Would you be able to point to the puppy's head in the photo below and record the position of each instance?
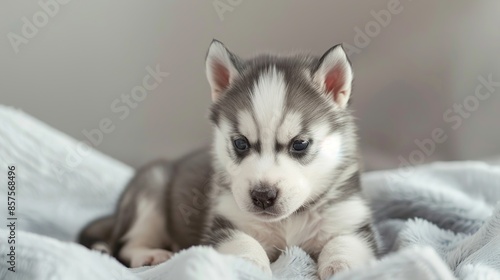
(282, 127)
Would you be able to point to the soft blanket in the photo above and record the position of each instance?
(437, 221)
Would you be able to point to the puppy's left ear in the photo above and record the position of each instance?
(334, 75)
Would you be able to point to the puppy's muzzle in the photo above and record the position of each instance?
(264, 196)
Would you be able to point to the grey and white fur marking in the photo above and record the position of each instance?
(283, 171)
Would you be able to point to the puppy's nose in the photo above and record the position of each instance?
(264, 197)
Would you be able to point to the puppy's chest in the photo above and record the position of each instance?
(307, 231)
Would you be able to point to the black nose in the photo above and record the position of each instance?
(264, 197)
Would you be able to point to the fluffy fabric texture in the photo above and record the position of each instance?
(436, 222)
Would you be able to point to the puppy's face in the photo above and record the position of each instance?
(281, 127)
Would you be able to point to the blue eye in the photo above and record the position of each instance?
(241, 144)
(299, 145)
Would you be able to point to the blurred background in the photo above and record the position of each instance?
(427, 75)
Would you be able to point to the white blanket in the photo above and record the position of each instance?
(437, 221)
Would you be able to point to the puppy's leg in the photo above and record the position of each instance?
(237, 243)
(141, 236)
(96, 235)
(342, 253)
(147, 237)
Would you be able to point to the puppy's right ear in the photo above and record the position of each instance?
(221, 68)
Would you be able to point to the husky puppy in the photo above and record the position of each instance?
(283, 171)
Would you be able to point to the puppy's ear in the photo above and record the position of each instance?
(334, 75)
(221, 68)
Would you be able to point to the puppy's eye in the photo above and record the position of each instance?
(241, 144)
(300, 145)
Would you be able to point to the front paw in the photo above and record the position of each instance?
(343, 253)
(264, 265)
(334, 267)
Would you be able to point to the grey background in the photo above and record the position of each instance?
(427, 58)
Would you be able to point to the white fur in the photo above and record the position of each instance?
(222, 158)
(310, 230)
(145, 235)
(247, 126)
(245, 246)
(268, 101)
(342, 253)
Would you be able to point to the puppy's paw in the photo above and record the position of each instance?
(343, 253)
(264, 265)
(148, 257)
(334, 267)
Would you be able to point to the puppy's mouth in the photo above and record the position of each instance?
(267, 215)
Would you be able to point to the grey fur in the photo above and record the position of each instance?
(184, 198)
(220, 230)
